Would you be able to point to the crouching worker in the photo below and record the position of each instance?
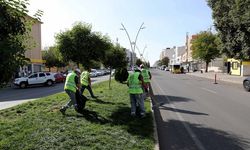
(72, 84)
(135, 83)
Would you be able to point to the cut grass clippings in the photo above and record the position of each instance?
(107, 124)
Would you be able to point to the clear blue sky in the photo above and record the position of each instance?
(166, 21)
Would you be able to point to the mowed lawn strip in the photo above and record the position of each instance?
(106, 125)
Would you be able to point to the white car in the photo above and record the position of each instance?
(45, 78)
(93, 73)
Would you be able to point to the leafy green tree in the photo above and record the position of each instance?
(138, 62)
(165, 61)
(232, 21)
(81, 45)
(205, 47)
(158, 63)
(52, 58)
(13, 35)
(115, 58)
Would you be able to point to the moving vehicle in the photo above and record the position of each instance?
(44, 78)
(246, 84)
(176, 68)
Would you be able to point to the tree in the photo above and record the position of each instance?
(115, 58)
(52, 58)
(138, 62)
(81, 45)
(158, 63)
(205, 47)
(165, 61)
(232, 21)
(13, 36)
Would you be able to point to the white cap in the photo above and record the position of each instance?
(78, 70)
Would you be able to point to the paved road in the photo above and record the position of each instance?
(13, 96)
(192, 113)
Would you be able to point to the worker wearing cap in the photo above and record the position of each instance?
(71, 85)
(135, 83)
(86, 82)
(146, 78)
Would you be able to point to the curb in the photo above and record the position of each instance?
(6, 105)
(155, 127)
(218, 79)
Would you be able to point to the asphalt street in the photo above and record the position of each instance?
(13, 96)
(193, 113)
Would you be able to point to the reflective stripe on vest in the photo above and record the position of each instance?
(134, 84)
(145, 74)
(70, 82)
(85, 78)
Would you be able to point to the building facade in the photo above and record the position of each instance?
(34, 52)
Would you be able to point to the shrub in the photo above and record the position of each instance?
(121, 75)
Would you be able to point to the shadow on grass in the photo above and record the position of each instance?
(91, 116)
(102, 102)
(173, 135)
(134, 125)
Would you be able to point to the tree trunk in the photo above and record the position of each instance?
(206, 66)
(110, 78)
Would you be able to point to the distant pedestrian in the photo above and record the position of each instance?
(72, 84)
(86, 82)
(182, 69)
(135, 83)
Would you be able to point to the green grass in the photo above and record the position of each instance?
(108, 125)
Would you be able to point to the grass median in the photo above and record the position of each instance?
(106, 125)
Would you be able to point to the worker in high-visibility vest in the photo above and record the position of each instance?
(72, 84)
(86, 82)
(135, 83)
(146, 78)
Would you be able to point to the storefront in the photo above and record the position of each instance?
(238, 67)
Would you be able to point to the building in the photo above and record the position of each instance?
(34, 53)
(168, 52)
(238, 67)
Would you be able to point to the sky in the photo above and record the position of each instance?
(166, 22)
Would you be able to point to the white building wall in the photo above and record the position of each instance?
(245, 70)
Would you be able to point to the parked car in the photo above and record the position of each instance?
(93, 73)
(99, 72)
(166, 69)
(59, 77)
(44, 78)
(246, 84)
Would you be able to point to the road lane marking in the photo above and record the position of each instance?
(209, 90)
(187, 127)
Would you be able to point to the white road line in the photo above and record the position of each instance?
(189, 130)
(208, 90)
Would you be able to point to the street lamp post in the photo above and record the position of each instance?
(132, 44)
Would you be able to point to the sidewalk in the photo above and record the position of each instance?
(219, 76)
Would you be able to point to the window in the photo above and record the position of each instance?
(33, 76)
(41, 75)
(235, 66)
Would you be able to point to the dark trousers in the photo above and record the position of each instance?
(89, 89)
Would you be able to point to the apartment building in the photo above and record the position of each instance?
(34, 52)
